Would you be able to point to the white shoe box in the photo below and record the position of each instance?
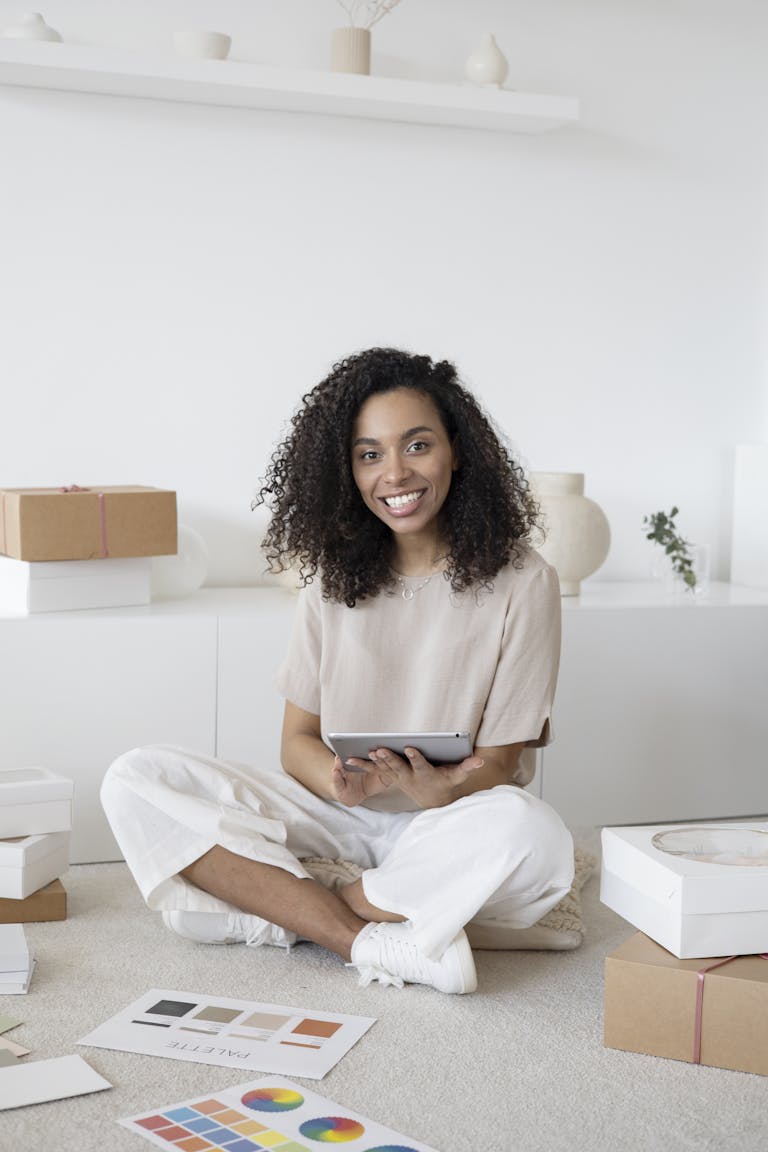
(34, 800)
(28, 586)
(28, 863)
(692, 907)
(14, 954)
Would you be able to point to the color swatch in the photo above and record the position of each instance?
(231, 1033)
(298, 1121)
(332, 1129)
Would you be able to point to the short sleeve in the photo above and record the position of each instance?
(519, 704)
(298, 678)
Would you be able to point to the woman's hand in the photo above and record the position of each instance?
(429, 785)
(352, 788)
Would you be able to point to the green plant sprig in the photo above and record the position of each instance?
(663, 531)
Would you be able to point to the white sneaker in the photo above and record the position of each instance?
(386, 952)
(227, 928)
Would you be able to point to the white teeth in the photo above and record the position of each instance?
(401, 501)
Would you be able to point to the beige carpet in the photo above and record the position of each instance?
(519, 1065)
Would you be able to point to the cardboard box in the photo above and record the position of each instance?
(48, 903)
(28, 586)
(87, 523)
(34, 800)
(27, 863)
(659, 1005)
(710, 901)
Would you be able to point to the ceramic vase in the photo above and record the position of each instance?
(577, 536)
(202, 44)
(487, 65)
(180, 575)
(32, 26)
(351, 50)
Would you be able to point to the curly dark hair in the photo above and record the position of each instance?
(319, 521)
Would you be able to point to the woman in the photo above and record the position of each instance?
(423, 609)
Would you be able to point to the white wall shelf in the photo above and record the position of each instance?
(239, 84)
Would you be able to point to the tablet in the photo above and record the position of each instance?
(437, 747)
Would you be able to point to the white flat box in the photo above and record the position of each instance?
(34, 800)
(28, 863)
(28, 586)
(712, 900)
(14, 954)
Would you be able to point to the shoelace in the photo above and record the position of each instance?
(370, 972)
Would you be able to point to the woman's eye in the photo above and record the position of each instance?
(417, 446)
(369, 455)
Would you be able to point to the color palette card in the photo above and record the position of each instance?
(231, 1033)
(265, 1114)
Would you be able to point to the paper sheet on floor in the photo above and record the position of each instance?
(269, 1113)
(231, 1033)
(43, 1080)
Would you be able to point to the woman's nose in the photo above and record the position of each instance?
(396, 468)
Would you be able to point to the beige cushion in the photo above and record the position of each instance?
(562, 927)
(559, 930)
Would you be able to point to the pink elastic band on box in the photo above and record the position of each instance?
(700, 1000)
(102, 514)
(4, 547)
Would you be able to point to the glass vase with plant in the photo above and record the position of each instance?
(680, 552)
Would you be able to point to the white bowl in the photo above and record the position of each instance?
(202, 45)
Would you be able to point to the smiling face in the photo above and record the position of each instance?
(403, 463)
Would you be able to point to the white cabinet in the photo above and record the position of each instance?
(254, 630)
(660, 714)
(662, 708)
(79, 688)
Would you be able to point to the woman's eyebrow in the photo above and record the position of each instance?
(405, 436)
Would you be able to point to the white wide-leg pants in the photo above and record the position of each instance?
(499, 856)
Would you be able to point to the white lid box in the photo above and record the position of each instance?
(30, 862)
(692, 907)
(33, 786)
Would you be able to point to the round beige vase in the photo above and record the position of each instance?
(577, 536)
(351, 50)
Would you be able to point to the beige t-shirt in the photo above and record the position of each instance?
(483, 662)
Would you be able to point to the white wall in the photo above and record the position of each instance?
(173, 277)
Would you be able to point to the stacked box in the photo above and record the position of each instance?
(692, 984)
(48, 903)
(16, 964)
(35, 824)
(87, 523)
(29, 586)
(704, 1010)
(711, 900)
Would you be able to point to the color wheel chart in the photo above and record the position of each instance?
(231, 1033)
(264, 1115)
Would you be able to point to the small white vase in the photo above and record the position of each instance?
(32, 26)
(487, 64)
(351, 50)
(577, 533)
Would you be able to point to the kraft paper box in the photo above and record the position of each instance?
(696, 889)
(27, 863)
(48, 903)
(30, 586)
(34, 800)
(87, 523)
(659, 1005)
